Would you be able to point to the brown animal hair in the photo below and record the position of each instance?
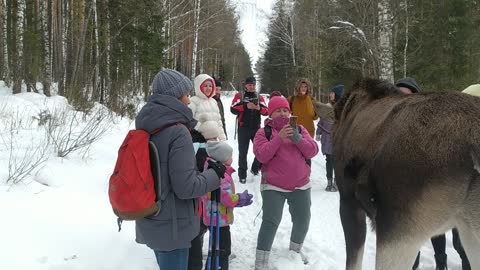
(305, 81)
(375, 89)
(411, 163)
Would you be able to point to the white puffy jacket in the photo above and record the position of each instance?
(205, 110)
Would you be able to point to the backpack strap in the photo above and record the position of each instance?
(155, 131)
(268, 132)
(156, 165)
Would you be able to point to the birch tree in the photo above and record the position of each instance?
(385, 22)
(196, 23)
(3, 48)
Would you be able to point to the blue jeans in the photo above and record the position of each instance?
(172, 260)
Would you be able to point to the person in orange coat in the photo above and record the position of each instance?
(302, 106)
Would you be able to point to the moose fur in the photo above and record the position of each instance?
(411, 163)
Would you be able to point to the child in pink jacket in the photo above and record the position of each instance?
(285, 177)
(221, 151)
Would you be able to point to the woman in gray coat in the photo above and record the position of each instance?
(170, 231)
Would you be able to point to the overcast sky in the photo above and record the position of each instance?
(253, 23)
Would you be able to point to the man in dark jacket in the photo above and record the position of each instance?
(218, 91)
(248, 106)
(170, 231)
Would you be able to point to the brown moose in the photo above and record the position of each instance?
(411, 163)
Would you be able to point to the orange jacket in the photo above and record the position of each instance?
(302, 106)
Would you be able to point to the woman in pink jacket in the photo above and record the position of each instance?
(285, 177)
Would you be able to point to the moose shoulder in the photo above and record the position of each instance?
(411, 163)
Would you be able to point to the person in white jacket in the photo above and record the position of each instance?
(204, 107)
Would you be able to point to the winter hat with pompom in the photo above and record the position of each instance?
(209, 130)
(220, 151)
(277, 102)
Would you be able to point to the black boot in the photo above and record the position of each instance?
(417, 262)
(334, 185)
(465, 263)
(441, 261)
(329, 185)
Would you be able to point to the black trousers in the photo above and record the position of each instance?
(329, 166)
(457, 244)
(225, 248)
(195, 256)
(245, 135)
(439, 243)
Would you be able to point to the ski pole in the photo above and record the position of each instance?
(217, 251)
(210, 239)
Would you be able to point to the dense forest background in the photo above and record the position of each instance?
(331, 42)
(109, 50)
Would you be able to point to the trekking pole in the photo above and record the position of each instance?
(236, 126)
(217, 251)
(210, 239)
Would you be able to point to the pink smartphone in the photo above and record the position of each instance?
(293, 121)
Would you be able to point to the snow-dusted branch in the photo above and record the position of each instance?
(26, 150)
(70, 130)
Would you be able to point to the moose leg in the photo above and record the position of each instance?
(354, 229)
(471, 243)
(398, 241)
(395, 255)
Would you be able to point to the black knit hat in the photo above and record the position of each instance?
(250, 80)
(410, 83)
(217, 83)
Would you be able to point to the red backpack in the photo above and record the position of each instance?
(132, 189)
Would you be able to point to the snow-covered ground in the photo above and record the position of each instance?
(60, 218)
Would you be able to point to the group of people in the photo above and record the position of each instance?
(195, 164)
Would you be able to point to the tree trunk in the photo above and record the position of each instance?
(196, 27)
(57, 45)
(3, 47)
(292, 43)
(385, 22)
(405, 48)
(45, 25)
(13, 43)
(96, 55)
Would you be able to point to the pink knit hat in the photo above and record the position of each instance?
(277, 102)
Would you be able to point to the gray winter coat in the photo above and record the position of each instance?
(177, 223)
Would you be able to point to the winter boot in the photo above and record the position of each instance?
(441, 261)
(466, 264)
(329, 185)
(334, 186)
(261, 259)
(298, 249)
(417, 262)
(255, 168)
(243, 180)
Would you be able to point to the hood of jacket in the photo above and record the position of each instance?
(162, 110)
(197, 82)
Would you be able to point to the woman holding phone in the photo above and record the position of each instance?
(285, 177)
